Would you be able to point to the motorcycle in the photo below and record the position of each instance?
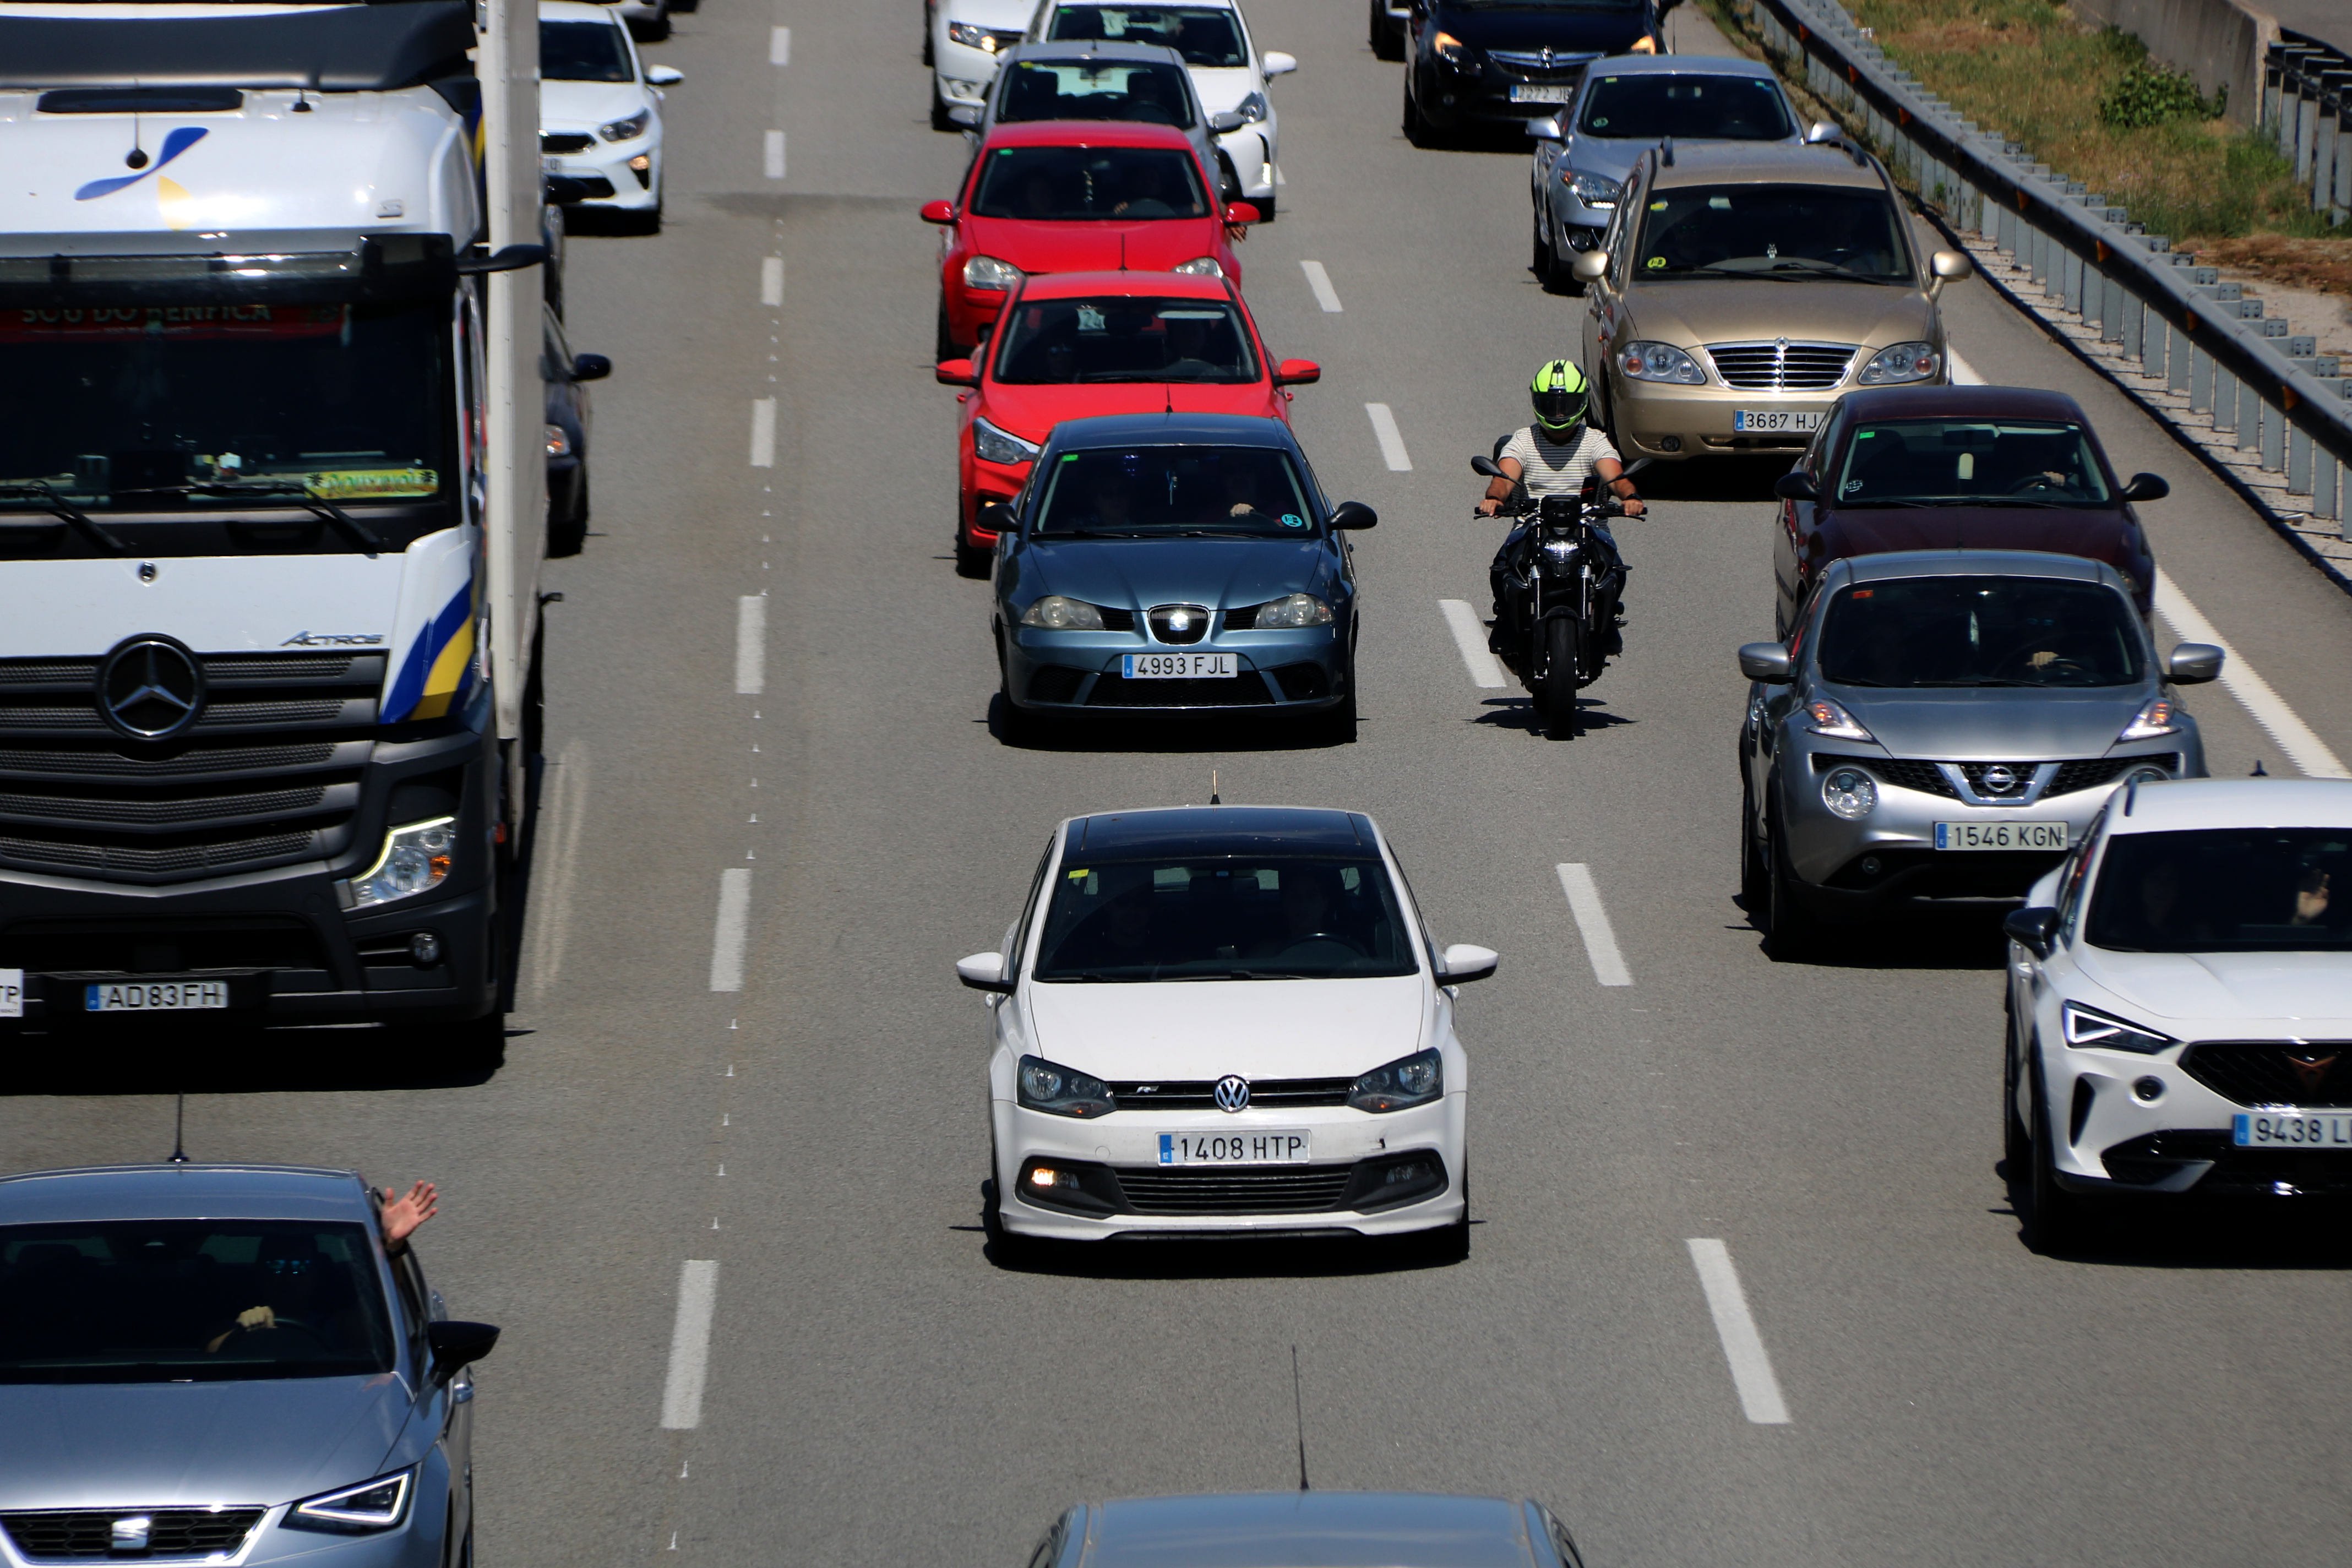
(1555, 624)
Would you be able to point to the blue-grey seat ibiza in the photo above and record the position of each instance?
(1172, 562)
(221, 1364)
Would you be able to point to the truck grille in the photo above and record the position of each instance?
(1781, 365)
(64, 1536)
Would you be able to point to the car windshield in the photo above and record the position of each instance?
(1050, 342)
(1650, 107)
(1980, 631)
(1145, 91)
(183, 1300)
(124, 406)
(2233, 890)
(583, 51)
(1206, 917)
(1135, 492)
(1545, 4)
(1203, 34)
(1784, 232)
(1081, 183)
(1970, 462)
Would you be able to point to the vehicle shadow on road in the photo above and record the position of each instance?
(1520, 714)
(2165, 1232)
(1969, 938)
(231, 1059)
(1273, 1258)
(1712, 480)
(1175, 733)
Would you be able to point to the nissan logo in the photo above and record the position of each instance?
(151, 688)
(1232, 1092)
(1999, 779)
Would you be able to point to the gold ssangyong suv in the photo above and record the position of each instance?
(1740, 288)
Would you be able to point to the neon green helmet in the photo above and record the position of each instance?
(1560, 393)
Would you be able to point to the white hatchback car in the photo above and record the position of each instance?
(966, 37)
(1225, 1020)
(1228, 73)
(600, 110)
(2180, 1003)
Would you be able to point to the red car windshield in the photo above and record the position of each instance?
(1046, 342)
(1970, 462)
(1078, 184)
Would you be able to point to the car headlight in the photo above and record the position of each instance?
(1200, 267)
(1823, 717)
(1253, 108)
(1292, 612)
(627, 130)
(415, 859)
(992, 445)
(1040, 1085)
(1451, 49)
(2154, 720)
(1904, 361)
(1401, 1084)
(2089, 1026)
(1056, 614)
(2151, 773)
(559, 445)
(1591, 189)
(370, 1506)
(987, 272)
(972, 36)
(1660, 362)
(1850, 793)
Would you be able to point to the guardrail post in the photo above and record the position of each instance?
(2274, 436)
(2072, 276)
(2298, 462)
(2249, 427)
(2306, 132)
(2326, 486)
(2273, 84)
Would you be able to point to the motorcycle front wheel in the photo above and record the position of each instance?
(1563, 649)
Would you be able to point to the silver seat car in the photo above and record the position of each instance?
(1943, 725)
(1308, 1530)
(221, 1364)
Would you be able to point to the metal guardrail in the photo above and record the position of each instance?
(2307, 107)
(2272, 394)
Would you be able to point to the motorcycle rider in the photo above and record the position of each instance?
(1557, 454)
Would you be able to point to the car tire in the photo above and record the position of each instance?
(1755, 879)
(971, 560)
(943, 343)
(1339, 721)
(930, 51)
(1007, 1249)
(1539, 259)
(1387, 37)
(1790, 929)
(1264, 205)
(2016, 1143)
(1446, 1243)
(1416, 129)
(940, 120)
(1555, 694)
(2056, 1220)
(568, 535)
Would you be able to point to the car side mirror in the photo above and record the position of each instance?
(1547, 129)
(590, 367)
(1276, 63)
(984, 971)
(939, 211)
(1240, 212)
(2193, 664)
(455, 1344)
(998, 518)
(2147, 487)
(507, 259)
(1351, 515)
(1485, 468)
(1589, 265)
(1796, 485)
(955, 373)
(1767, 662)
(1228, 122)
(1819, 131)
(2036, 931)
(1298, 373)
(1951, 266)
(664, 76)
(1460, 963)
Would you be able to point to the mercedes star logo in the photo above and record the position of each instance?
(151, 688)
(1232, 1092)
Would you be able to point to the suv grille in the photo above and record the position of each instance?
(1268, 1093)
(1299, 1189)
(64, 1536)
(2317, 1074)
(1781, 365)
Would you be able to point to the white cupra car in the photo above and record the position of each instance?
(600, 119)
(2181, 1003)
(1224, 1021)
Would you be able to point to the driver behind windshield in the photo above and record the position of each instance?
(1779, 231)
(1962, 631)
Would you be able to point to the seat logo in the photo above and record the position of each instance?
(151, 689)
(129, 1534)
(2311, 1068)
(1232, 1092)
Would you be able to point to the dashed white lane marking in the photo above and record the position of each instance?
(733, 931)
(764, 432)
(1391, 439)
(1743, 1347)
(2304, 748)
(1470, 637)
(1320, 281)
(780, 46)
(690, 1345)
(771, 280)
(751, 645)
(1592, 925)
(550, 905)
(773, 152)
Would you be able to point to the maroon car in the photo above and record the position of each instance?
(1967, 467)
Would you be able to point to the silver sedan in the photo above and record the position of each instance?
(1308, 1530)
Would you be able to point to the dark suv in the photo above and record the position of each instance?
(1488, 63)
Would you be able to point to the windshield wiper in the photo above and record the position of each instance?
(326, 511)
(56, 506)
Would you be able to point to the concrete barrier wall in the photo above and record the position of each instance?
(2217, 42)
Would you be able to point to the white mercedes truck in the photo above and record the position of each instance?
(271, 481)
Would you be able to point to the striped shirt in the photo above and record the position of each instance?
(1551, 467)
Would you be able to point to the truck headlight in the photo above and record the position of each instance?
(1904, 361)
(415, 859)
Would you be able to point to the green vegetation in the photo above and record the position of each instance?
(2147, 94)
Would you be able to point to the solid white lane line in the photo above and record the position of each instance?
(1391, 439)
(551, 904)
(1320, 281)
(751, 645)
(774, 155)
(690, 1345)
(1963, 373)
(1593, 924)
(1743, 1347)
(764, 432)
(771, 280)
(1470, 637)
(733, 931)
(2304, 748)
(780, 46)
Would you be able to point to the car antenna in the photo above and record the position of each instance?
(1122, 253)
(1213, 788)
(2258, 772)
(137, 157)
(1298, 1414)
(179, 1125)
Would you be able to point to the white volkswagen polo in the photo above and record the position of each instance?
(1225, 1020)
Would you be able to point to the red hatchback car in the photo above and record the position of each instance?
(1066, 195)
(1072, 345)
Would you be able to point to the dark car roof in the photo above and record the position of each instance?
(1173, 430)
(1309, 1529)
(1222, 830)
(1086, 133)
(1925, 402)
(182, 1191)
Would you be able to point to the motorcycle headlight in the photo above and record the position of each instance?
(370, 1506)
(1401, 1084)
(1850, 793)
(1040, 1085)
(2155, 720)
(987, 272)
(1823, 717)
(1200, 267)
(1904, 361)
(627, 130)
(1054, 613)
(1660, 362)
(972, 36)
(559, 445)
(992, 445)
(1253, 108)
(2089, 1026)
(415, 859)
(1292, 612)
(1593, 190)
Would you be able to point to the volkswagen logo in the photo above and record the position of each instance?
(1999, 779)
(1232, 1092)
(151, 688)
